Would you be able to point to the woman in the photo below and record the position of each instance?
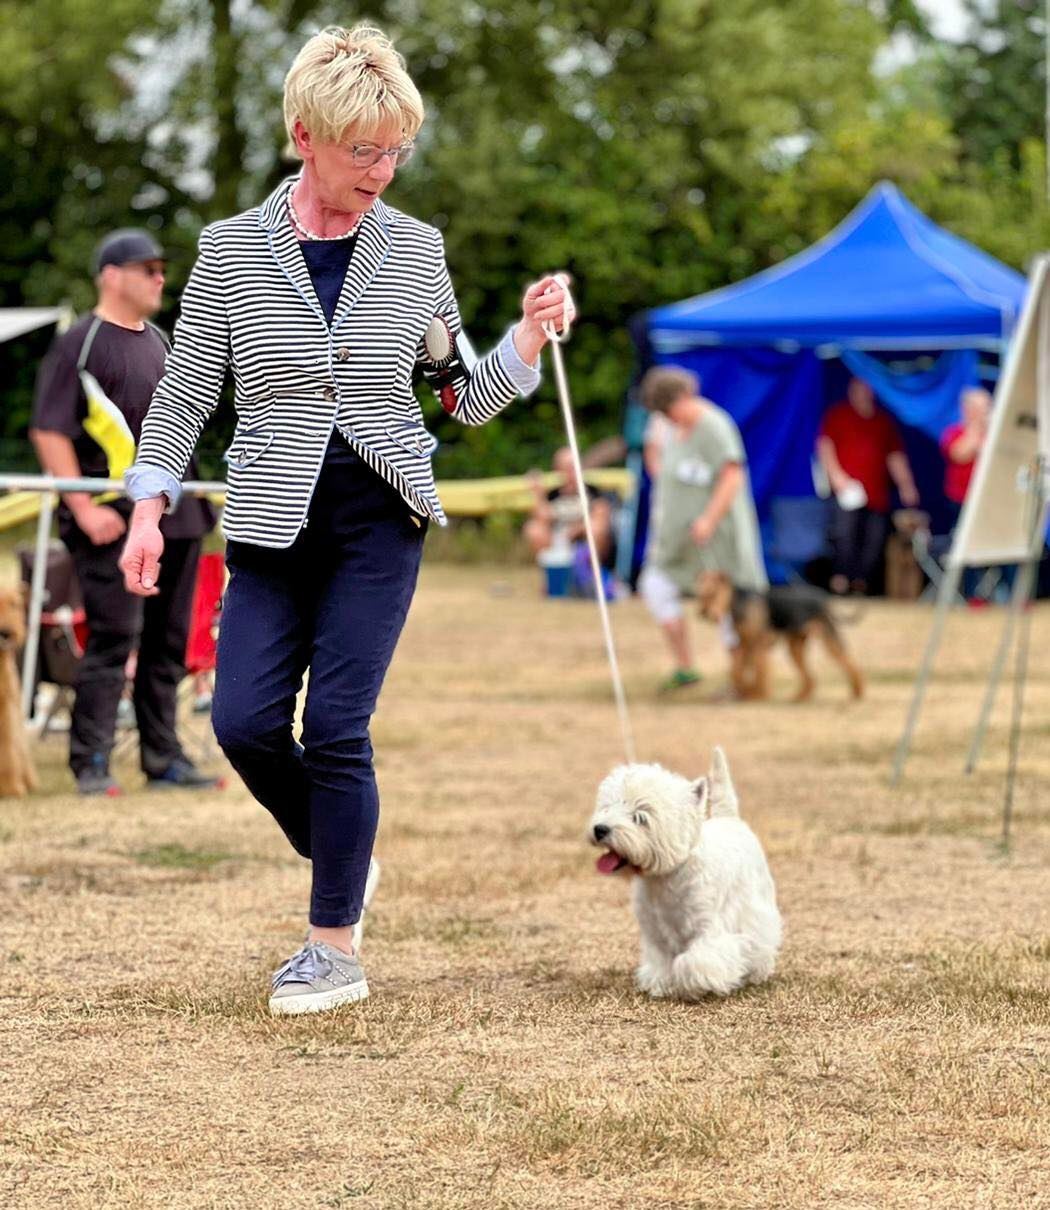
(705, 516)
(323, 302)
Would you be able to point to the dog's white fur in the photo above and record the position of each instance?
(705, 900)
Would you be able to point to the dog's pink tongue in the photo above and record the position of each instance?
(608, 863)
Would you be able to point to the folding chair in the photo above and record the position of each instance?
(63, 633)
(931, 553)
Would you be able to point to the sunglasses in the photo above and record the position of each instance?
(151, 268)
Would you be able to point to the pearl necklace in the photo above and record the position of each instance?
(305, 231)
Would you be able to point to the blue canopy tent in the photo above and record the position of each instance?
(887, 295)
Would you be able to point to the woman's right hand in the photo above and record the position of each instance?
(140, 561)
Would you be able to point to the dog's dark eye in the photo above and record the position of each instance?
(641, 819)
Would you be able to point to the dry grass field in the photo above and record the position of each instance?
(900, 1058)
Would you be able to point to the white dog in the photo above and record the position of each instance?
(705, 899)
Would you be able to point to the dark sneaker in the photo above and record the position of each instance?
(317, 978)
(182, 774)
(96, 780)
(371, 882)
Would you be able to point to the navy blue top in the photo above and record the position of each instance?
(327, 261)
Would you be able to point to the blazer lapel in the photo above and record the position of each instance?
(285, 247)
(373, 247)
(284, 244)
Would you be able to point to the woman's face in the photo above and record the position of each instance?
(975, 408)
(340, 184)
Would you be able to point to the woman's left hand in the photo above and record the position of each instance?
(544, 303)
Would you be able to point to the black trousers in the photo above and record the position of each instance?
(858, 536)
(118, 621)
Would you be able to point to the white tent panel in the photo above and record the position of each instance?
(16, 321)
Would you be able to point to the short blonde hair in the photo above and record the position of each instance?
(663, 386)
(350, 78)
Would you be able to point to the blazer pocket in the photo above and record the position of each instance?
(246, 447)
(413, 437)
(255, 411)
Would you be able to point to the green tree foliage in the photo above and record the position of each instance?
(654, 148)
(70, 171)
(994, 83)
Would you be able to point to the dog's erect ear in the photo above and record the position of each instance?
(723, 795)
(701, 790)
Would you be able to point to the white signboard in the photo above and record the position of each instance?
(997, 524)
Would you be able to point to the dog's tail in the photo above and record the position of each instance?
(723, 799)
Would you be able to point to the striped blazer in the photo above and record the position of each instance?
(250, 306)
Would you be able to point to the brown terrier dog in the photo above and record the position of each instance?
(17, 776)
(795, 611)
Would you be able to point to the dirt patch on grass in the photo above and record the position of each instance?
(901, 1057)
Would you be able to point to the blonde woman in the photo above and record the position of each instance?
(325, 303)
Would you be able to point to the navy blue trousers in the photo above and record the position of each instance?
(334, 602)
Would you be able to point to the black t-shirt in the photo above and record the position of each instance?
(127, 365)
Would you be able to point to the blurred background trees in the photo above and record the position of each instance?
(655, 148)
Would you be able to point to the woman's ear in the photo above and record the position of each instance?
(302, 140)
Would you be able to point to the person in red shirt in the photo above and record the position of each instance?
(962, 442)
(863, 456)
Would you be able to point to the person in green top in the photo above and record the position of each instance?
(704, 518)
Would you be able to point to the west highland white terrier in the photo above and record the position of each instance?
(705, 900)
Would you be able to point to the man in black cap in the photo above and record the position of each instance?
(92, 394)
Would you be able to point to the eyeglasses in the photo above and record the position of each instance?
(153, 268)
(364, 155)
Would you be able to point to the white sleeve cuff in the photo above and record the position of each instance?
(525, 377)
(145, 482)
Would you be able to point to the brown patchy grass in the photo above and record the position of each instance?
(900, 1058)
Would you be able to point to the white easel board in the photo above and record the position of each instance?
(996, 522)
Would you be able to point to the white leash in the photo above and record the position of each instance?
(557, 339)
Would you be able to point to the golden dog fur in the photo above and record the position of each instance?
(17, 776)
(808, 616)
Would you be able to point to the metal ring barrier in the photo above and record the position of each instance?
(48, 486)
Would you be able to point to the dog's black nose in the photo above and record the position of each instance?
(601, 831)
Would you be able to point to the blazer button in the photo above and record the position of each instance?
(343, 354)
(329, 395)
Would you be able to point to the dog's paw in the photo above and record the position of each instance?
(653, 981)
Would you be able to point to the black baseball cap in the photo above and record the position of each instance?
(128, 246)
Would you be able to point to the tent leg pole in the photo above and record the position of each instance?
(996, 674)
(1027, 574)
(629, 523)
(944, 601)
(36, 603)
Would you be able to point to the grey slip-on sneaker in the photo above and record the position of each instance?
(318, 977)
